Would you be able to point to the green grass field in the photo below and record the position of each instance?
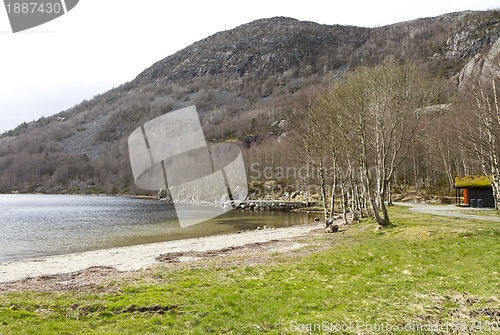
(430, 274)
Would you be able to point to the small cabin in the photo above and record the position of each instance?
(476, 191)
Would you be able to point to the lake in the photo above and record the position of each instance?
(41, 225)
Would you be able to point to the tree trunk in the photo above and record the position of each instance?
(389, 194)
(332, 199)
(372, 198)
(334, 187)
(344, 202)
(376, 213)
(324, 195)
(383, 207)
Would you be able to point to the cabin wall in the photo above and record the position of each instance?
(482, 193)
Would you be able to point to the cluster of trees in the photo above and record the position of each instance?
(365, 133)
(65, 173)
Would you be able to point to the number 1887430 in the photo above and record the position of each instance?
(34, 7)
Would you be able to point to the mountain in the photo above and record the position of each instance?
(240, 81)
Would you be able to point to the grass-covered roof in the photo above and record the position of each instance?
(472, 182)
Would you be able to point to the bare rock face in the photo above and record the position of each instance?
(472, 35)
(262, 48)
(482, 66)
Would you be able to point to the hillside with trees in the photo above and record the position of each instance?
(261, 83)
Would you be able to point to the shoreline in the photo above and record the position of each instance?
(136, 257)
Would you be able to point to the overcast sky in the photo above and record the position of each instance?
(101, 44)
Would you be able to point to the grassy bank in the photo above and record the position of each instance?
(428, 270)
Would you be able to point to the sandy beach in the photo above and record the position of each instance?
(141, 256)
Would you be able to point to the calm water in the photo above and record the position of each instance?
(41, 225)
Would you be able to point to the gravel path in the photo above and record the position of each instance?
(449, 210)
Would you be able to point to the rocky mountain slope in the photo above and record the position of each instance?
(240, 81)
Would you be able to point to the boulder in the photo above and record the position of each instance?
(332, 228)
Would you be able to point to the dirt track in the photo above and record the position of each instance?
(450, 210)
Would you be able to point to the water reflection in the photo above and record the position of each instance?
(39, 225)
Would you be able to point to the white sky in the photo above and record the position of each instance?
(101, 44)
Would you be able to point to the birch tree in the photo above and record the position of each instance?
(310, 137)
(479, 110)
